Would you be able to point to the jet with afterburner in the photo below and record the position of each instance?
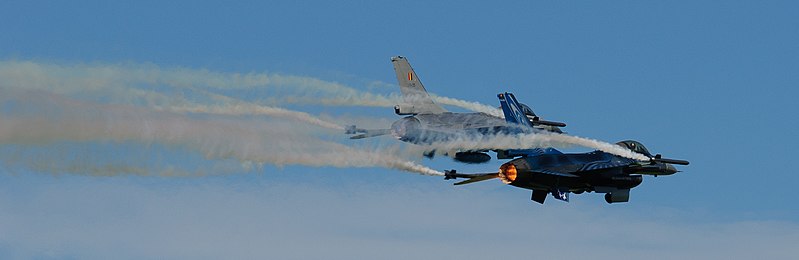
(426, 122)
(549, 171)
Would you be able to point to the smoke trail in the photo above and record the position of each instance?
(126, 79)
(599, 145)
(181, 90)
(474, 106)
(250, 109)
(376, 100)
(111, 82)
(532, 140)
(233, 106)
(42, 119)
(49, 116)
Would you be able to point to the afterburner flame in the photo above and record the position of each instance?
(507, 173)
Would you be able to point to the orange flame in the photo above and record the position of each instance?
(507, 173)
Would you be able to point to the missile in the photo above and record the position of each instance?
(537, 121)
(659, 158)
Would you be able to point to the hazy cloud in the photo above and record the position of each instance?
(111, 219)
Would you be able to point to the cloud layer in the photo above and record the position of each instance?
(86, 218)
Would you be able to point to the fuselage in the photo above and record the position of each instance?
(595, 171)
(432, 128)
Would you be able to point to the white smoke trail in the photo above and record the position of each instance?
(110, 82)
(237, 107)
(181, 90)
(46, 119)
(473, 106)
(250, 109)
(532, 140)
(126, 79)
(376, 100)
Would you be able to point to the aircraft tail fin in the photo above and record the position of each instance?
(517, 113)
(415, 96)
(513, 111)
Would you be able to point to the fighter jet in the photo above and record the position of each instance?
(426, 122)
(548, 170)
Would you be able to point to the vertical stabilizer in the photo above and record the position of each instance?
(416, 99)
(514, 113)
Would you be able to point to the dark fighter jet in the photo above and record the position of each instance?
(426, 122)
(548, 170)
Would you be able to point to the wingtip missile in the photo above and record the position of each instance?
(453, 174)
(450, 174)
(471, 178)
(537, 121)
(359, 133)
(659, 158)
(363, 133)
(352, 129)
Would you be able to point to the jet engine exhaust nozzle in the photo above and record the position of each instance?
(507, 173)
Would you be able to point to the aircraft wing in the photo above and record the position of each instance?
(472, 178)
(482, 177)
(602, 165)
(557, 173)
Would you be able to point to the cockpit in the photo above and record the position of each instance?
(635, 146)
(527, 110)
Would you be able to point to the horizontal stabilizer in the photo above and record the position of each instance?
(479, 178)
(452, 174)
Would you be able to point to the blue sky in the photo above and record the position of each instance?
(707, 81)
